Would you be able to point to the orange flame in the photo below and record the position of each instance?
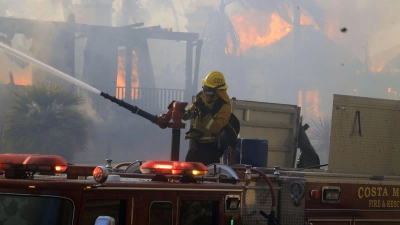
(121, 75)
(20, 76)
(23, 76)
(311, 104)
(312, 97)
(307, 20)
(254, 30)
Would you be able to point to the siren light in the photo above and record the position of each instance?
(173, 168)
(18, 165)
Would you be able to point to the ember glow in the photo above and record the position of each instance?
(121, 75)
(258, 29)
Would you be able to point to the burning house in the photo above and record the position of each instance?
(116, 60)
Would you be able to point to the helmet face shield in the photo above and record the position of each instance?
(208, 90)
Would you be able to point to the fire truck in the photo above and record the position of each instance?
(360, 186)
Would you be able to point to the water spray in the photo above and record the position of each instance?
(49, 68)
(175, 111)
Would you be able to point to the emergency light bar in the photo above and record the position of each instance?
(17, 165)
(173, 168)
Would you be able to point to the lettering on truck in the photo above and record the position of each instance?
(377, 196)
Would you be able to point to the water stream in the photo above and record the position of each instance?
(49, 68)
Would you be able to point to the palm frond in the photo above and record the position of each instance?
(46, 119)
(320, 133)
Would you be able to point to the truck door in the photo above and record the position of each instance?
(116, 206)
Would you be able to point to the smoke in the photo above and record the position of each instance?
(166, 13)
(366, 20)
(329, 61)
(38, 10)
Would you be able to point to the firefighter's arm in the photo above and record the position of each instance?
(212, 125)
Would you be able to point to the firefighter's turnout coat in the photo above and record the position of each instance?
(206, 126)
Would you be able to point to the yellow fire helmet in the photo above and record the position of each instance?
(215, 79)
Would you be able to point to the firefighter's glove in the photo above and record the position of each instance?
(194, 134)
(202, 108)
(189, 115)
(171, 104)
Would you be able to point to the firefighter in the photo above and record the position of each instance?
(209, 113)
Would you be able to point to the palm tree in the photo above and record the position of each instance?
(320, 131)
(46, 119)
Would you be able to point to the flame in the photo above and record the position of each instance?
(307, 20)
(257, 29)
(229, 49)
(20, 76)
(392, 93)
(23, 76)
(121, 75)
(312, 100)
(311, 104)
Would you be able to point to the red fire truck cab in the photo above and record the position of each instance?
(44, 189)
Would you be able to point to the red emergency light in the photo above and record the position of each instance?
(16, 165)
(173, 168)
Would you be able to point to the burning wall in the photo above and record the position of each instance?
(121, 75)
(258, 29)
